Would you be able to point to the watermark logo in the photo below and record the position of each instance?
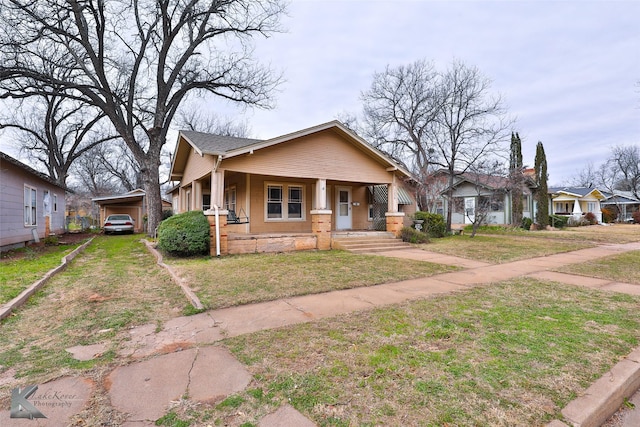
(21, 407)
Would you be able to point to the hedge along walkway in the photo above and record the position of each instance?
(191, 296)
(24, 296)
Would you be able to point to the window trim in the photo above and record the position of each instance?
(31, 205)
(228, 192)
(284, 202)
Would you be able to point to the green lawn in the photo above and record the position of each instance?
(243, 279)
(511, 354)
(17, 275)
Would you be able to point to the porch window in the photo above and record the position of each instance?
(592, 206)
(284, 202)
(274, 201)
(295, 202)
(187, 196)
(30, 206)
(458, 205)
(206, 202)
(230, 199)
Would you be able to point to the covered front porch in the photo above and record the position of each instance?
(265, 213)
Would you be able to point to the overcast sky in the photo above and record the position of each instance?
(567, 70)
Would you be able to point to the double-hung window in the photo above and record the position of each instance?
(274, 202)
(230, 199)
(30, 206)
(284, 202)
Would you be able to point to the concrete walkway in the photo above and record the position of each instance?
(183, 360)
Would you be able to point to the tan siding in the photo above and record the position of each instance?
(322, 155)
(257, 221)
(197, 167)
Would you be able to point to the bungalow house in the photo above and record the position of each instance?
(132, 203)
(32, 204)
(575, 201)
(623, 203)
(490, 194)
(291, 192)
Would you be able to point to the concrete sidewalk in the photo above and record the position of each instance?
(183, 360)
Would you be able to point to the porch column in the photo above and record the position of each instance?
(197, 195)
(394, 219)
(217, 189)
(321, 195)
(321, 227)
(392, 198)
(217, 199)
(222, 224)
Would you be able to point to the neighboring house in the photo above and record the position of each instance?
(132, 203)
(290, 192)
(575, 201)
(32, 205)
(623, 203)
(489, 194)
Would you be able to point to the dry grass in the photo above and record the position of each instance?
(621, 268)
(234, 280)
(113, 285)
(501, 248)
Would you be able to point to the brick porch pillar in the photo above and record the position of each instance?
(222, 221)
(321, 227)
(394, 222)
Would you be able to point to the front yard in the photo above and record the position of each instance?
(510, 353)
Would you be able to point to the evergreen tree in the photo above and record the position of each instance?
(542, 216)
(516, 179)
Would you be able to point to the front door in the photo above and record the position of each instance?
(343, 206)
(469, 210)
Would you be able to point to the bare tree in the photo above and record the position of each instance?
(399, 109)
(137, 61)
(626, 159)
(56, 131)
(586, 177)
(488, 181)
(427, 119)
(93, 175)
(197, 121)
(471, 123)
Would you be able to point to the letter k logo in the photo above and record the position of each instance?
(21, 407)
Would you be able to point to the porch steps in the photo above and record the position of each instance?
(368, 242)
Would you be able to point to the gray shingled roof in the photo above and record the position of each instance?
(581, 191)
(44, 177)
(217, 144)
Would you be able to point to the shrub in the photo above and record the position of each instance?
(559, 221)
(167, 214)
(636, 217)
(577, 222)
(412, 235)
(591, 217)
(526, 223)
(434, 224)
(184, 234)
(608, 215)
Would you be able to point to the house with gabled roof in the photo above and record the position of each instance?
(478, 192)
(624, 203)
(576, 201)
(290, 192)
(32, 205)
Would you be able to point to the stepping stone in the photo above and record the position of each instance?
(286, 416)
(146, 389)
(59, 401)
(87, 352)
